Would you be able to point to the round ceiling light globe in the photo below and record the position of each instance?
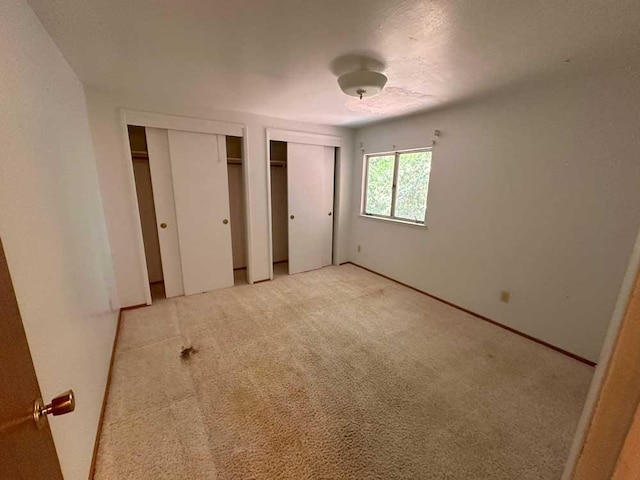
(362, 83)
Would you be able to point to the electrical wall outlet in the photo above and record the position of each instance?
(358, 249)
(505, 296)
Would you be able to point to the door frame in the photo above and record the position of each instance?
(308, 138)
(187, 124)
(604, 376)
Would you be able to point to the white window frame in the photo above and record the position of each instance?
(365, 175)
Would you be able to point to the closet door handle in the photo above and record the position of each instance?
(61, 404)
(163, 225)
(330, 213)
(292, 217)
(225, 221)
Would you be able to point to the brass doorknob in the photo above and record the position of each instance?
(61, 404)
(163, 225)
(292, 217)
(225, 221)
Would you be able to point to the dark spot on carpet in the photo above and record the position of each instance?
(186, 353)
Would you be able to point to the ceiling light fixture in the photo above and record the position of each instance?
(362, 83)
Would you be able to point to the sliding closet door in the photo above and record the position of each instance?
(201, 190)
(160, 166)
(310, 198)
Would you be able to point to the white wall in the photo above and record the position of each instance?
(53, 228)
(534, 191)
(114, 169)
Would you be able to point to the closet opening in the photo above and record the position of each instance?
(279, 208)
(237, 209)
(302, 203)
(334, 203)
(147, 210)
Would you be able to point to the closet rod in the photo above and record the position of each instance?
(139, 154)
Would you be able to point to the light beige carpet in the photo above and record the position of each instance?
(333, 374)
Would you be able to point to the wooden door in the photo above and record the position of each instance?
(617, 402)
(310, 170)
(163, 199)
(628, 464)
(25, 451)
(201, 191)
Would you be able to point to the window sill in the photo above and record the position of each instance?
(393, 220)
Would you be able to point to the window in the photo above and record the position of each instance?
(396, 185)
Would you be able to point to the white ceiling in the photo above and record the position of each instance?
(274, 57)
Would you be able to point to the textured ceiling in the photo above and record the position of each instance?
(278, 57)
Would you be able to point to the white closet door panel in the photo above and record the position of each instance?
(201, 191)
(310, 199)
(162, 186)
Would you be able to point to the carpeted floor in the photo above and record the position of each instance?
(333, 374)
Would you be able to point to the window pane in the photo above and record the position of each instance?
(379, 185)
(413, 182)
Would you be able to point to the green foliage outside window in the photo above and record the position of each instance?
(411, 188)
(413, 182)
(380, 185)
